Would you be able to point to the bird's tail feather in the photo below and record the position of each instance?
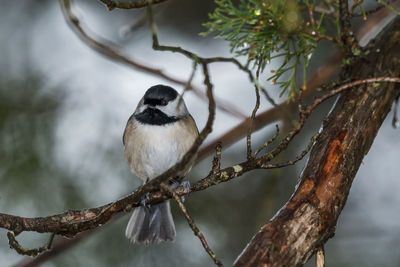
(151, 225)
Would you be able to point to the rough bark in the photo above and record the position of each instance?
(309, 218)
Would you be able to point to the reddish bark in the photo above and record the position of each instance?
(309, 218)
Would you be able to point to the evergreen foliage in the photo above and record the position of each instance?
(265, 30)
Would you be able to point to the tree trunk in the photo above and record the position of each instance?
(309, 218)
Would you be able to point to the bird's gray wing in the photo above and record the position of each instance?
(128, 127)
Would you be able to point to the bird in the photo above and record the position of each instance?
(157, 136)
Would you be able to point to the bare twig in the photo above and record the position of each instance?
(193, 225)
(12, 241)
(127, 30)
(353, 6)
(278, 113)
(60, 245)
(395, 120)
(112, 4)
(390, 7)
(216, 164)
(106, 48)
(324, 73)
(189, 82)
(197, 58)
(311, 14)
(322, 10)
(306, 113)
(112, 51)
(253, 114)
(272, 139)
(268, 97)
(320, 36)
(297, 159)
(347, 35)
(263, 162)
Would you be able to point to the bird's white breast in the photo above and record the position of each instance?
(152, 149)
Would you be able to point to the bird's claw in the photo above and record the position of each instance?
(145, 198)
(184, 184)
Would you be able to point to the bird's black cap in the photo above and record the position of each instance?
(159, 95)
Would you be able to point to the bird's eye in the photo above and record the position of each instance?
(163, 102)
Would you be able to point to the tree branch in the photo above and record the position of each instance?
(278, 113)
(75, 221)
(261, 120)
(113, 52)
(60, 245)
(309, 218)
(322, 75)
(193, 225)
(347, 35)
(112, 4)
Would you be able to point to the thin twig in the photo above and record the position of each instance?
(112, 51)
(394, 10)
(280, 113)
(112, 4)
(324, 73)
(51, 239)
(354, 5)
(253, 114)
(269, 141)
(322, 10)
(127, 30)
(347, 34)
(306, 113)
(239, 169)
(193, 225)
(61, 245)
(195, 57)
(320, 36)
(216, 163)
(311, 14)
(297, 159)
(395, 120)
(268, 97)
(189, 82)
(12, 241)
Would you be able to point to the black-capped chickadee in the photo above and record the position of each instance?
(156, 137)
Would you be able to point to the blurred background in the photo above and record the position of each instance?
(63, 109)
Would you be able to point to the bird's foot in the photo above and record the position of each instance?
(145, 198)
(184, 184)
